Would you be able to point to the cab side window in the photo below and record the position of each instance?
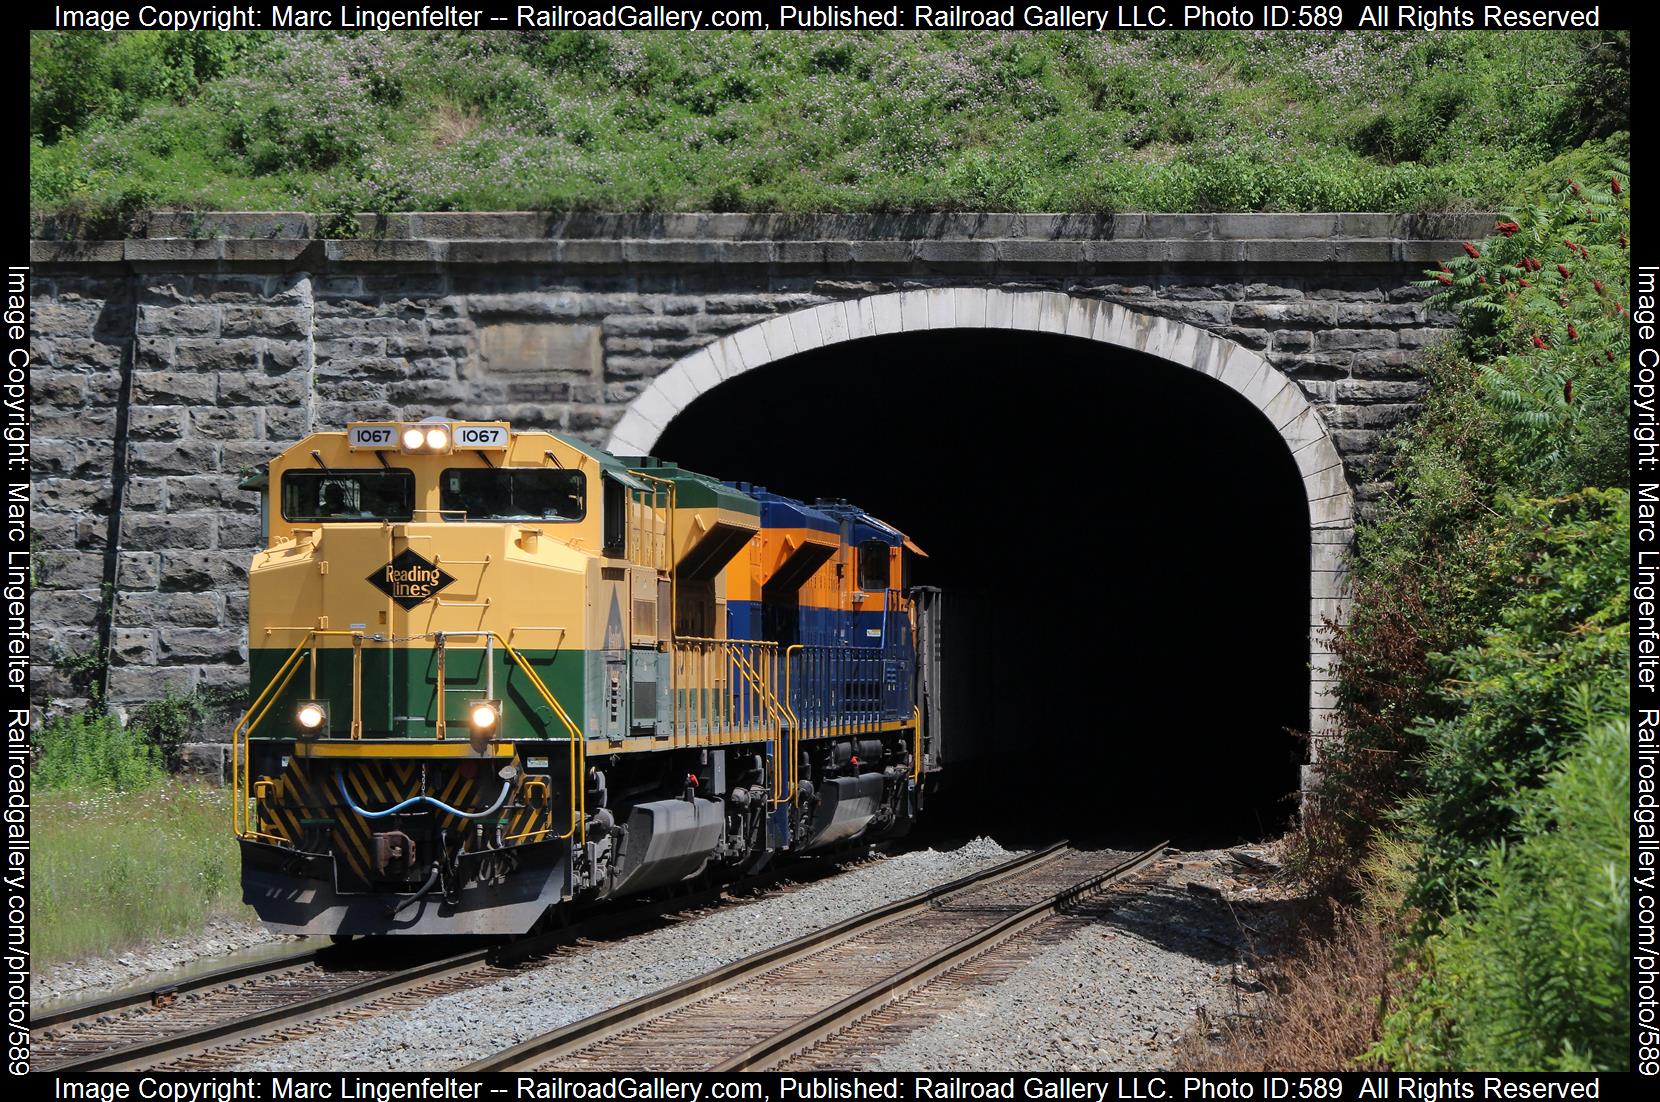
(512, 493)
(616, 519)
(873, 565)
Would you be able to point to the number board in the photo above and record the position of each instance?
(482, 436)
(372, 437)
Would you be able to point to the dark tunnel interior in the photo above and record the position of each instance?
(1122, 545)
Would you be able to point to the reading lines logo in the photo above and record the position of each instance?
(409, 579)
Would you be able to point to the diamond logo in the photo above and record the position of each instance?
(409, 579)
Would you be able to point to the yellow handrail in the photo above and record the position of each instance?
(794, 766)
(578, 741)
(777, 712)
(781, 711)
(239, 734)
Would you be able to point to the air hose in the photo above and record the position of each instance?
(340, 783)
(394, 911)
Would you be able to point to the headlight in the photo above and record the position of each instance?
(312, 716)
(426, 438)
(484, 715)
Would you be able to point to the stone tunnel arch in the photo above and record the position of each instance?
(1275, 396)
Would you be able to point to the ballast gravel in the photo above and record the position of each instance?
(455, 1029)
(153, 962)
(1121, 987)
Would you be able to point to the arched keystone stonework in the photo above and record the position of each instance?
(1279, 399)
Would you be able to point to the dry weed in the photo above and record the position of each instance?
(450, 124)
(1322, 1010)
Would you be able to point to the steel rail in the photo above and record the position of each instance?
(137, 1056)
(619, 1019)
(147, 995)
(810, 1031)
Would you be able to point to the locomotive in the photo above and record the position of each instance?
(497, 674)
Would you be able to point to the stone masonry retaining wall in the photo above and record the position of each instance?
(237, 334)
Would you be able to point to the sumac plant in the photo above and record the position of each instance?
(1544, 306)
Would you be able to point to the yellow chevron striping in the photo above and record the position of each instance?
(298, 794)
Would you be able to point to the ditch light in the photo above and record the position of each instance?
(312, 717)
(483, 723)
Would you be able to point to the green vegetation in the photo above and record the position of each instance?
(344, 122)
(120, 868)
(1518, 702)
(1486, 662)
(1530, 973)
(125, 853)
(168, 723)
(93, 752)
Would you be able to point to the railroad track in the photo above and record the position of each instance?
(234, 1009)
(138, 998)
(764, 1009)
(203, 1023)
(944, 995)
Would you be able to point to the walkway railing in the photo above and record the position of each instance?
(726, 690)
(842, 690)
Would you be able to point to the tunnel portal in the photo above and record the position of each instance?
(1124, 551)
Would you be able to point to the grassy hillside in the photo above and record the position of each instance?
(797, 121)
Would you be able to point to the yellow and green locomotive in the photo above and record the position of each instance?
(497, 672)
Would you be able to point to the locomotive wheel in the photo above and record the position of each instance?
(556, 917)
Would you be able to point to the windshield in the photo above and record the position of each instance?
(348, 495)
(508, 493)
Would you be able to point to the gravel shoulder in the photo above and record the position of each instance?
(455, 1029)
(222, 941)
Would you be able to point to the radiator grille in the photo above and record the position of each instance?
(645, 619)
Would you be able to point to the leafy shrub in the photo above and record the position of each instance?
(68, 82)
(78, 76)
(1531, 973)
(1519, 701)
(1544, 307)
(89, 751)
(1506, 419)
(575, 51)
(168, 723)
(1413, 129)
(1599, 101)
(1486, 659)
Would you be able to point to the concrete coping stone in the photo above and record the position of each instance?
(202, 228)
(1003, 255)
